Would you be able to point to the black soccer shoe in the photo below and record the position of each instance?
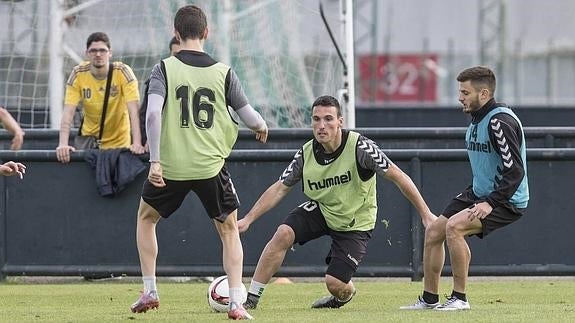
(330, 302)
(251, 302)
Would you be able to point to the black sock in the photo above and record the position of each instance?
(430, 298)
(459, 295)
(253, 297)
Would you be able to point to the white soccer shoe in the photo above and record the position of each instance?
(420, 305)
(453, 304)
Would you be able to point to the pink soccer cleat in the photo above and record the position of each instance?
(238, 312)
(147, 301)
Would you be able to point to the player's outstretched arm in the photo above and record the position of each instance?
(410, 191)
(270, 198)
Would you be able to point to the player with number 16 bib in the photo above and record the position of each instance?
(190, 134)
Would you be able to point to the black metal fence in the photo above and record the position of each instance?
(387, 138)
(54, 222)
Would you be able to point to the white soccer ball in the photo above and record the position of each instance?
(219, 294)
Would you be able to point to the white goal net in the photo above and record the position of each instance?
(279, 49)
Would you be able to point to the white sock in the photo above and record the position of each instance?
(236, 295)
(149, 283)
(257, 288)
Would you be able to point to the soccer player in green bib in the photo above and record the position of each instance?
(190, 133)
(338, 169)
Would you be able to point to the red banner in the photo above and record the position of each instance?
(399, 78)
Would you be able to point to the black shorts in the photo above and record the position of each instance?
(498, 218)
(347, 247)
(217, 194)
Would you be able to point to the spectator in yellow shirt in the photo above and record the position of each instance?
(86, 85)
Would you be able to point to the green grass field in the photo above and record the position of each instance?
(492, 300)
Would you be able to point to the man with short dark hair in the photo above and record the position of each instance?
(174, 46)
(191, 132)
(497, 197)
(338, 169)
(86, 84)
